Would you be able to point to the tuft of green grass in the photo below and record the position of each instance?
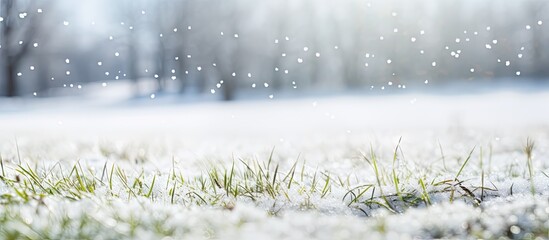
(378, 174)
(394, 171)
(395, 187)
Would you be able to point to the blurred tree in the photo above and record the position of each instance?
(18, 27)
(231, 45)
(184, 14)
(536, 10)
(159, 25)
(351, 30)
(132, 44)
(281, 17)
(231, 54)
(129, 15)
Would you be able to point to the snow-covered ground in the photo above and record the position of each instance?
(342, 167)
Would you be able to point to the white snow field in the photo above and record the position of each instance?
(408, 166)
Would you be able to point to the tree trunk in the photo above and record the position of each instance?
(183, 78)
(229, 89)
(161, 68)
(11, 77)
(133, 74)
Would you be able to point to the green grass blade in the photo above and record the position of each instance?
(464, 163)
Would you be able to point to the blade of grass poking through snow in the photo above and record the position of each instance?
(138, 183)
(481, 176)
(269, 162)
(464, 163)
(103, 172)
(33, 177)
(490, 159)
(313, 182)
(124, 180)
(173, 176)
(302, 171)
(151, 187)
(274, 175)
(172, 192)
(395, 176)
(2, 166)
(110, 177)
(81, 186)
(17, 149)
(291, 173)
(528, 149)
(228, 181)
(482, 186)
(356, 197)
(425, 194)
(272, 188)
(480, 158)
(327, 186)
(443, 158)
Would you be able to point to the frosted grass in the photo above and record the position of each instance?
(300, 175)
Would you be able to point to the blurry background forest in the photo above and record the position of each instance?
(230, 47)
